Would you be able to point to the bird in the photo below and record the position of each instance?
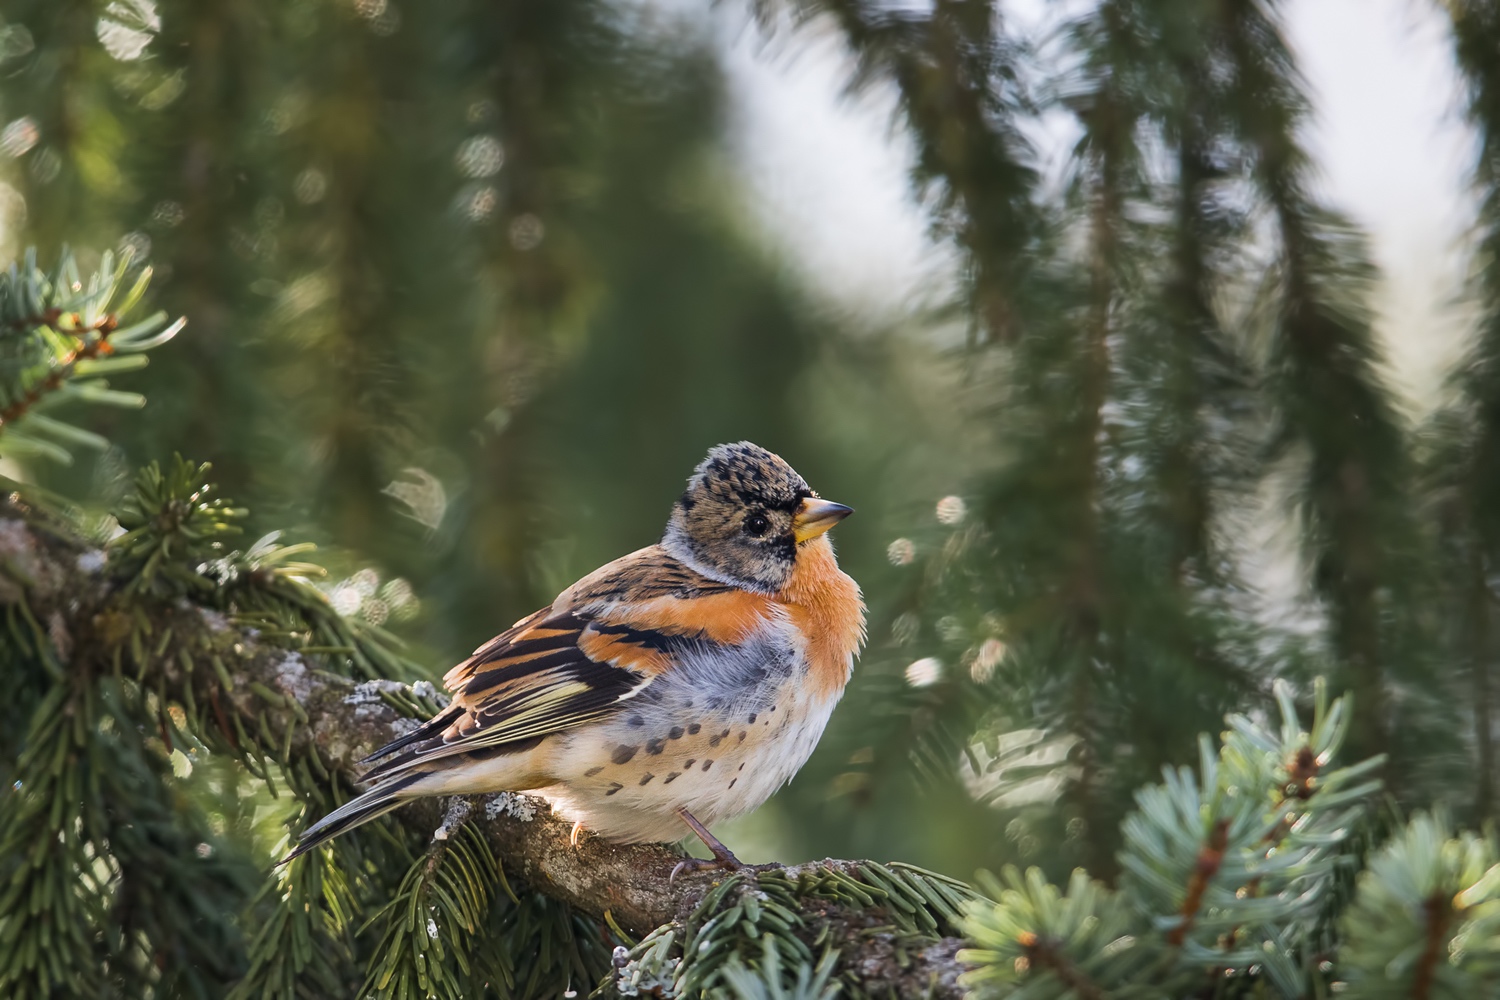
(672, 688)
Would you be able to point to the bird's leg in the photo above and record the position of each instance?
(573, 837)
(721, 853)
(722, 858)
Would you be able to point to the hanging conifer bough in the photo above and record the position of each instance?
(1464, 467)
(1192, 336)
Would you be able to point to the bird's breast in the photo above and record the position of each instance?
(825, 606)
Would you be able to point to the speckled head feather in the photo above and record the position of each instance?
(733, 523)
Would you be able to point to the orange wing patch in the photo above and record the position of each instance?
(641, 636)
(729, 616)
(624, 648)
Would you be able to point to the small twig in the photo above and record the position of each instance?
(48, 318)
(1437, 910)
(1302, 775)
(1043, 954)
(54, 381)
(1210, 858)
(223, 721)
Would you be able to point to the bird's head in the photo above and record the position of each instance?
(744, 515)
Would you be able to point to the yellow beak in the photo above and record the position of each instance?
(816, 516)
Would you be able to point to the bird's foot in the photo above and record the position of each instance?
(731, 864)
(723, 859)
(728, 863)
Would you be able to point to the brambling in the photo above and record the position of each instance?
(681, 684)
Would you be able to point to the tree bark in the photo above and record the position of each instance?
(66, 587)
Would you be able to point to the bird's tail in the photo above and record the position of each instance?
(358, 811)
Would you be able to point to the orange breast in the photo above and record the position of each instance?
(825, 604)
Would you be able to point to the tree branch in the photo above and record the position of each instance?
(67, 589)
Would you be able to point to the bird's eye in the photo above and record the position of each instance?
(756, 525)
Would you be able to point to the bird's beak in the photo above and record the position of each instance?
(816, 516)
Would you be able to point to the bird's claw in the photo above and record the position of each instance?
(729, 864)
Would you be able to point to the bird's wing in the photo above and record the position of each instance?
(601, 643)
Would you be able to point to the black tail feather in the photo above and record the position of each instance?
(395, 764)
(356, 812)
(432, 727)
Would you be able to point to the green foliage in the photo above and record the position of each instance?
(1422, 922)
(113, 880)
(765, 982)
(108, 883)
(53, 905)
(1425, 920)
(303, 944)
(536, 948)
(1462, 439)
(1036, 942)
(174, 877)
(432, 922)
(174, 529)
(174, 544)
(1227, 874)
(59, 337)
(111, 875)
(735, 936)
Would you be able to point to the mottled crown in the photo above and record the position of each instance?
(747, 473)
(734, 521)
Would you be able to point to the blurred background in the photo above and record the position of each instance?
(1154, 357)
